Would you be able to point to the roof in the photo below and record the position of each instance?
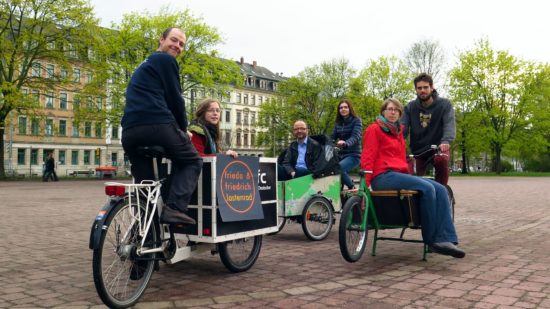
(258, 71)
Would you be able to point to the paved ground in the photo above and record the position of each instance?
(503, 224)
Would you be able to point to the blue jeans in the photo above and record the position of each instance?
(346, 164)
(435, 214)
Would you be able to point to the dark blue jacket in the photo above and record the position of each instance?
(153, 95)
(349, 131)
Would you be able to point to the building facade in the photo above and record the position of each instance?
(85, 144)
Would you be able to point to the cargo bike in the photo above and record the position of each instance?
(234, 205)
(310, 201)
(367, 210)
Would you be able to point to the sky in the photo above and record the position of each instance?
(287, 36)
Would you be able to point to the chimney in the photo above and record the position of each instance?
(242, 60)
(254, 64)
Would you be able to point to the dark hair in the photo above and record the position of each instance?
(395, 102)
(423, 77)
(167, 32)
(201, 111)
(339, 118)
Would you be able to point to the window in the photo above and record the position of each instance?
(76, 129)
(253, 118)
(89, 102)
(238, 97)
(22, 125)
(114, 133)
(21, 156)
(99, 103)
(74, 157)
(61, 159)
(36, 97)
(71, 50)
(86, 156)
(245, 142)
(49, 100)
(253, 100)
(98, 129)
(88, 129)
(252, 139)
(76, 102)
(34, 156)
(35, 127)
(62, 127)
(49, 127)
(114, 159)
(260, 99)
(36, 69)
(239, 117)
(228, 116)
(245, 98)
(76, 75)
(50, 69)
(238, 139)
(63, 100)
(246, 118)
(88, 77)
(228, 138)
(63, 73)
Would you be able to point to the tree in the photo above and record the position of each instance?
(499, 88)
(382, 78)
(137, 35)
(312, 95)
(426, 57)
(31, 32)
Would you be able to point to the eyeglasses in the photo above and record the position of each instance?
(214, 110)
(392, 110)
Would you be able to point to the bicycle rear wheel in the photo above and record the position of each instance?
(317, 218)
(353, 230)
(120, 275)
(240, 254)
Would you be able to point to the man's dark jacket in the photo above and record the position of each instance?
(314, 161)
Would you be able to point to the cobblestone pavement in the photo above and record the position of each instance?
(503, 225)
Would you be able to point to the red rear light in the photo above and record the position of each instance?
(206, 231)
(115, 190)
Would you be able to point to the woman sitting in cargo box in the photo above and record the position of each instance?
(206, 129)
(384, 160)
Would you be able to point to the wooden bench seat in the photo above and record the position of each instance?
(407, 193)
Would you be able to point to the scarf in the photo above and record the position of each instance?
(388, 127)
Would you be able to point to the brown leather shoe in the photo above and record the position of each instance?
(171, 216)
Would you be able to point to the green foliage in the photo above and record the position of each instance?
(138, 35)
(382, 78)
(492, 90)
(32, 33)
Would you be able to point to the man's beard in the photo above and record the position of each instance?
(428, 97)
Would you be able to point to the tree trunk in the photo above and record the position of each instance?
(498, 165)
(464, 157)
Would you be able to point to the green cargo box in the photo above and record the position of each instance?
(295, 193)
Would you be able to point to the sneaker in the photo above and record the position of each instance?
(172, 216)
(446, 248)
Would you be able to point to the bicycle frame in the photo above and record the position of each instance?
(368, 205)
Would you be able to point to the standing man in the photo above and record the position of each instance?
(430, 120)
(49, 170)
(155, 115)
(303, 156)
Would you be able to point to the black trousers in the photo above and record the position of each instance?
(186, 163)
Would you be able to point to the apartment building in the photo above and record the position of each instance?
(87, 143)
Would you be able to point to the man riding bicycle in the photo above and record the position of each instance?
(429, 120)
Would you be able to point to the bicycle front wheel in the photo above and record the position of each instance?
(120, 275)
(353, 229)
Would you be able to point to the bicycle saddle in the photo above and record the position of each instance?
(151, 151)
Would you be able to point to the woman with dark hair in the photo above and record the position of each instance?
(206, 129)
(347, 137)
(385, 163)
